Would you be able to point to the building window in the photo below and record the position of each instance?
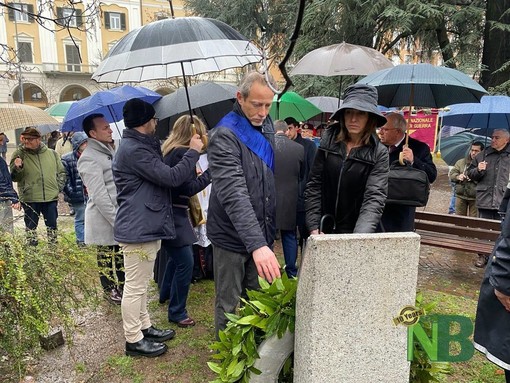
(72, 58)
(69, 17)
(25, 52)
(21, 12)
(115, 21)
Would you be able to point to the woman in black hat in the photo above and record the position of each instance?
(348, 182)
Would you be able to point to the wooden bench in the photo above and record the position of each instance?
(473, 235)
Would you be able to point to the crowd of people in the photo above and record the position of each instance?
(132, 202)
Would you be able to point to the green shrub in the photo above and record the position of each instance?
(41, 287)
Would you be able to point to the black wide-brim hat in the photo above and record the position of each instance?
(360, 97)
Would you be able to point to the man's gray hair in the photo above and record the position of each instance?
(280, 126)
(505, 132)
(399, 122)
(252, 77)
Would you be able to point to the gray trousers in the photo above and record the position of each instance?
(233, 274)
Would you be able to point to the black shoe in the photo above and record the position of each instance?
(482, 260)
(145, 348)
(113, 296)
(155, 335)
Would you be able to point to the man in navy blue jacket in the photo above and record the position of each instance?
(144, 218)
(8, 198)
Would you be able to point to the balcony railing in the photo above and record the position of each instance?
(68, 68)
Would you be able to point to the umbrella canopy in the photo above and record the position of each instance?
(292, 104)
(211, 101)
(456, 147)
(326, 104)
(423, 85)
(341, 60)
(59, 109)
(176, 47)
(493, 112)
(106, 102)
(14, 116)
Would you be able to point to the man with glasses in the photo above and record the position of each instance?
(490, 169)
(40, 175)
(399, 218)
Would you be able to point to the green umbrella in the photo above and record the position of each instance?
(292, 104)
(59, 109)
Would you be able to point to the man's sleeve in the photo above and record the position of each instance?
(16, 174)
(229, 182)
(61, 172)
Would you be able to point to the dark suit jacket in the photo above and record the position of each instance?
(310, 152)
(289, 171)
(399, 218)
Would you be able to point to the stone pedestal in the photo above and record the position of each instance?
(350, 289)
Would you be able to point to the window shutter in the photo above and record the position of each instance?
(60, 16)
(30, 8)
(107, 20)
(79, 17)
(11, 13)
(123, 21)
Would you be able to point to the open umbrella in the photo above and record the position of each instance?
(493, 112)
(423, 85)
(176, 47)
(59, 110)
(14, 116)
(106, 102)
(341, 60)
(291, 104)
(456, 147)
(326, 104)
(211, 101)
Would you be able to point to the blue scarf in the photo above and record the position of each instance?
(249, 136)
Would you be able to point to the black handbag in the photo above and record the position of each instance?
(407, 186)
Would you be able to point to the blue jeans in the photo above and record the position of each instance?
(451, 208)
(177, 280)
(290, 246)
(32, 212)
(79, 221)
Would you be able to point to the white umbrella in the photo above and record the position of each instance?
(326, 104)
(176, 47)
(14, 116)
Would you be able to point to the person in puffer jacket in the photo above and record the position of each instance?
(74, 192)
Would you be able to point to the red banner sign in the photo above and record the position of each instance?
(423, 128)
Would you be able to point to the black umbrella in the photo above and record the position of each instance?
(211, 101)
(176, 47)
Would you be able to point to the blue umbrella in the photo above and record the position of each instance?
(107, 102)
(493, 112)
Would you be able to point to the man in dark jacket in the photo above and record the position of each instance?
(289, 171)
(241, 216)
(398, 218)
(310, 149)
(144, 218)
(73, 189)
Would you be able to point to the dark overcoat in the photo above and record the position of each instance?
(400, 218)
(492, 324)
(289, 170)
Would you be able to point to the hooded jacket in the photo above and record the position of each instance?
(42, 176)
(73, 189)
(351, 188)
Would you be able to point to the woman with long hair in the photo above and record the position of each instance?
(348, 183)
(179, 267)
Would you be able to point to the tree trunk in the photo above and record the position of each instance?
(496, 47)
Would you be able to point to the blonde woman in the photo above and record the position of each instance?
(179, 252)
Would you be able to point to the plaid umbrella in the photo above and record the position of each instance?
(14, 116)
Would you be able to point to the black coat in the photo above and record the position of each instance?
(400, 218)
(289, 170)
(184, 233)
(351, 188)
(241, 215)
(492, 324)
(310, 153)
(143, 184)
